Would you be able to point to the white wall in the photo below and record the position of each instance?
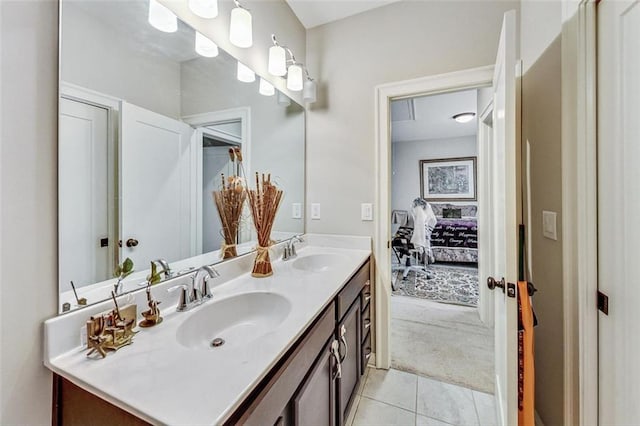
(28, 225)
(101, 58)
(397, 42)
(405, 164)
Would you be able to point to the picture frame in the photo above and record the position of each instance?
(448, 179)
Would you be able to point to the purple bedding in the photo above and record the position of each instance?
(455, 233)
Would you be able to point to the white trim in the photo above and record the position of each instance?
(198, 120)
(441, 83)
(579, 219)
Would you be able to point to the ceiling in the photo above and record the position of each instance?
(430, 117)
(317, 12)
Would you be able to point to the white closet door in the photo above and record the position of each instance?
(157, 181)
(505, 212)
(83, 194)
(215, 161)
(618, 206)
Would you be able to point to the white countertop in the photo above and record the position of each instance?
(163, 382)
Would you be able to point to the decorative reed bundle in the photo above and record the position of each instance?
(264, 202)
(229, 202)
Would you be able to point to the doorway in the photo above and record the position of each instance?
(436, 328)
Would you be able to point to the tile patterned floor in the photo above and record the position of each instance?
(394, 397)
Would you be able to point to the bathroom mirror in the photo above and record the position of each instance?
(145, 128)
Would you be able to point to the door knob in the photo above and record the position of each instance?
(132, 242)
(492, 283)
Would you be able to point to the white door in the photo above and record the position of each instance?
(618, 206)
(157, 187)
(215, 162)
(83, 190)
(505, 210)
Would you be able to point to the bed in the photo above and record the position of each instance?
(455, 239)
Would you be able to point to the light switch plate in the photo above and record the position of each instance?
(366, 211)
(296, 211)
(315, 211)
(549, 228)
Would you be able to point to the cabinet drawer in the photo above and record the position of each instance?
(366, 353)
(352, 290)
(366, 322)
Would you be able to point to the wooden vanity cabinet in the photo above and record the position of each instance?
(349, 338)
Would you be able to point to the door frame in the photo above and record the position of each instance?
(435, 84)
(579, 212)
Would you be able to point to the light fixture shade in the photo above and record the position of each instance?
(283, 99)
(310, 91)
(266, 88)
(204, 8)
(294, 78)
(464, 117)
(161, 18)
(245, 74)
(240, 31)
(205, 47)
(277, 61)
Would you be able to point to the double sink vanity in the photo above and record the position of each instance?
(287, 349)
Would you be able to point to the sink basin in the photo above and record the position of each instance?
(317, 262)
(237, 320)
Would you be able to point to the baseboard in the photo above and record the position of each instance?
(538, 420)
(372, 360)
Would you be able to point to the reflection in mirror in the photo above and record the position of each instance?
(146, 125)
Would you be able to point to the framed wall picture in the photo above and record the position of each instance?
(448, 179)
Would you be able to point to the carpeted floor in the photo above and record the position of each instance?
(448, 283)
(443, 341)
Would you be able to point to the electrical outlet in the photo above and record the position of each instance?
(366, 211)
(296, 211)
(315, 211)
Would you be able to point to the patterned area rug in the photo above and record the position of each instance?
(449, 284)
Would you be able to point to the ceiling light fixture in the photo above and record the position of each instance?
(204, 8)
(245, 74)
(161, 18)
(464, 117)
(240, 29)
(266, 88)
(205, 47)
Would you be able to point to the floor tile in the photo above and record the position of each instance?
(392, 387)
(428, 421)
(376, 413)
(486, 408)
(363, 381)
(443, 401)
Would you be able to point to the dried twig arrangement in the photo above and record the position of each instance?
(264, 202)
(229, 201)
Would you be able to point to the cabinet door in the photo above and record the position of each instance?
(315, 403)
(349, 336)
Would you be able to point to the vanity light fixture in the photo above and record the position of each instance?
(245, 74)
(309, 91)
(464, 117)
(294, 77)
(283, 99)
(240, 29)
(277, 58)
(204, 8)
(266, 88)
(161, 18)
(205, 47)
(296, 80)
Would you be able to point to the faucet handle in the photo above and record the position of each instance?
(183, 302)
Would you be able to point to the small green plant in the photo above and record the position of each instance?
(155, 276)
(123, 270)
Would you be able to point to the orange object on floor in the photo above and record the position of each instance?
(526, 371)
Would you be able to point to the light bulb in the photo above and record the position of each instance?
(161, 18)
(310, 91)
(464, 117)
(277, 61)
(205, 47)
(283, 99)
(245, 74)
(294, 78)
(240, 32)
(266, 88)
(204, 8)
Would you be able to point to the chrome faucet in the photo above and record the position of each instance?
(290, 247)
(166, 270)
(192, 295)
